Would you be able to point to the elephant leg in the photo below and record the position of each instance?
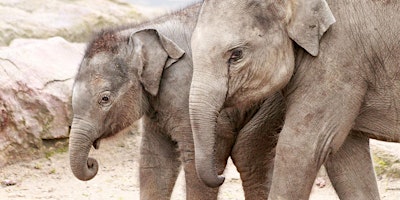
(254, 150)
(299, 156)
(351, 171)
(253, 156)
(318, 121)
(159, 163)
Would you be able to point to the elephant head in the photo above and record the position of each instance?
(243, 51)
(116, 75)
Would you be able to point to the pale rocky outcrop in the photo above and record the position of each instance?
(36, 78)
(73, 20)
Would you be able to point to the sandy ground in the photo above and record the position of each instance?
(51, 178)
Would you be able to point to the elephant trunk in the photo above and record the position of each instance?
(81, 139)
(207, 96)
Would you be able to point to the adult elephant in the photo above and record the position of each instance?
(337, 78)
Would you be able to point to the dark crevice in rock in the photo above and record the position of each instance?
(55, 81)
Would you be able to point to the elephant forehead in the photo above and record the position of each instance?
(94, 65)
(221, 34)
(102, 65)
(216, 41)
(80, 96)
(205, 41)
(90, 86)
(99, 61)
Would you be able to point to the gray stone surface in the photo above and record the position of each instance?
(36, 78)
(72, 19)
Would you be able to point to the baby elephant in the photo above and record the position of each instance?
(145, 71)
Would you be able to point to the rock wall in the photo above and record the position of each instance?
(36, 75)
(36, 78)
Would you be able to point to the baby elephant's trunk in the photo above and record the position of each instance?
(80, 142)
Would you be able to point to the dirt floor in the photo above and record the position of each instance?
(51, 178)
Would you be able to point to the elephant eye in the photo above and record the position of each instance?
(104, 98)
(236, 55)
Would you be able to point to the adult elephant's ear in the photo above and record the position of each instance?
(309, 21)
(153, 53)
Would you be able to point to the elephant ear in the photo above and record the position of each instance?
(310, 20)
(155, 53)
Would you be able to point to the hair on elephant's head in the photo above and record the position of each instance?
(242, 53)
(116, 75)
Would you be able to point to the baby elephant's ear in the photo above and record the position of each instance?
(309, 21)
(155, 53)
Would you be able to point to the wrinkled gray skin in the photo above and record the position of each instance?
(344, 78)
(145, 71)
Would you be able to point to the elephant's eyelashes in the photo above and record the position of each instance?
(236, 55)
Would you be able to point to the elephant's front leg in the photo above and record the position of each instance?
(159, 163)
(318, 120)
(254, 150)
(299, 156)
(253, 156)
(351, 171)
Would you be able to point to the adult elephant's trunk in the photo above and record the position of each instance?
(80, 142)
(207, 95)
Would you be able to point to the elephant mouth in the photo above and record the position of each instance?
(96, 143)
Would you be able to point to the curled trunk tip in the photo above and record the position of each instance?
(87, 171)
(92, 169)
(212, 181)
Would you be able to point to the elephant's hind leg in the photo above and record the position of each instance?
(351, 171)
